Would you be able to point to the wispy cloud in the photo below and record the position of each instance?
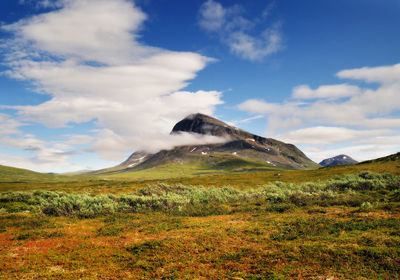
(39, 153)
(246, 120)
(238, 33)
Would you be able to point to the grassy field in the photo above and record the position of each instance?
(313, 224)
(173, 173)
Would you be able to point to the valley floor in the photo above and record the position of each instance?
(345, 227)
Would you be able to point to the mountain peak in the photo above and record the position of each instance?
(203, 124)
(206, 125)
(338, 160)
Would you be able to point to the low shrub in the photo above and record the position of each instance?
(15, 207)
(355, 190)
(364, 181)
(81, 205)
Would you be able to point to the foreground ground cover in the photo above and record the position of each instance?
(343, 228)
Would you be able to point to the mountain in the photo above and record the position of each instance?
(241, 150)
(338, 160)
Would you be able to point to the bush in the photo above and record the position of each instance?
(364, 181)
(81, 205)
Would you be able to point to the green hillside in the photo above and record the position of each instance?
(389, 158)
(12, 174)
(18, 179)
(191, 166)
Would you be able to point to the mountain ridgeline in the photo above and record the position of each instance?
(240, 150)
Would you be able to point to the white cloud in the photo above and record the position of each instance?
(333, 114)
(382, 139)
(324, 135)
(364, 108)
(86, 56)
(327, 91)
(383, 74)
(91, 30)
(235, 31)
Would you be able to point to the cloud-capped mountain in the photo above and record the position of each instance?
(239, 149)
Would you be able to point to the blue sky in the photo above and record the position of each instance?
(86, 82)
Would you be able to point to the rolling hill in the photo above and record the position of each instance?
(12, 174)
(389, 158)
